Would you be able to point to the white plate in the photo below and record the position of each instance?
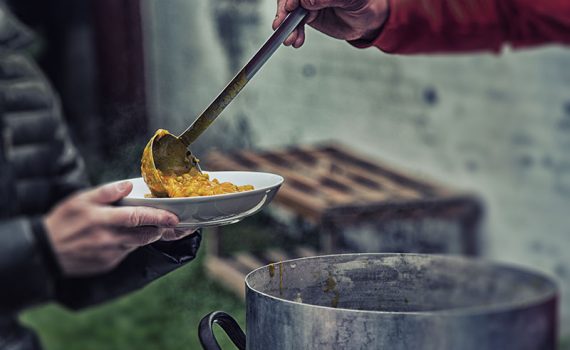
(217, 210)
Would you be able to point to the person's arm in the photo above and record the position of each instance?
(434, 26)
(82, 236)
(85, 252)
(442, 26)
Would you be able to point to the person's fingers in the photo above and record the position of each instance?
(291, 38)
(135, 237)
(291, 5)
(175, 234)
(109, 193)
(280, 15)
(300, 37)
(136, 216)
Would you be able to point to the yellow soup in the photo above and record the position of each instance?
(191, 184)
(196, 184)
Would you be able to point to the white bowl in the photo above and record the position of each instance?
(217, 210)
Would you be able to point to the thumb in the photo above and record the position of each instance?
(109, 193)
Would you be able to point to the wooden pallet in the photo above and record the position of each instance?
(323, 177)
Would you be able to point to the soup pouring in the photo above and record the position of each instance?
(169, 154)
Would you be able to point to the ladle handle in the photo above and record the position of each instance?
(243, 77)
(228, 324)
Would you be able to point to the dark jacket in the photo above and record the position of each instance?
(39, 167)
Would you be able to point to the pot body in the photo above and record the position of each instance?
(399, 301)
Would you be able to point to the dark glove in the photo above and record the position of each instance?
(140, 268)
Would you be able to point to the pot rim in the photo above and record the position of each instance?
(551, 295)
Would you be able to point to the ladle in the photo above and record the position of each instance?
(171, 154)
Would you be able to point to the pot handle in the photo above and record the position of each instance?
(228, 324)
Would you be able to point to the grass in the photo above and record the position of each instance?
(164, 315)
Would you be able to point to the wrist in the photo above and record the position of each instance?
(380, 10)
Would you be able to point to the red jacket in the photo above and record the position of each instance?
(431, 26)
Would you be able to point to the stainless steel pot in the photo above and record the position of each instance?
(393, 301)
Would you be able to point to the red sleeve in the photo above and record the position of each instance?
(432, 26)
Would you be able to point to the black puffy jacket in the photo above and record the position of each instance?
(39, 167)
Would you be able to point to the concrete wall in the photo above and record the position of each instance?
(499, 125)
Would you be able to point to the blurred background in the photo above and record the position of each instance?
(495, 129)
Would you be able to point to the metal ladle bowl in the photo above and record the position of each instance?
(165, 153)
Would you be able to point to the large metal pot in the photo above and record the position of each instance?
(393, 301)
